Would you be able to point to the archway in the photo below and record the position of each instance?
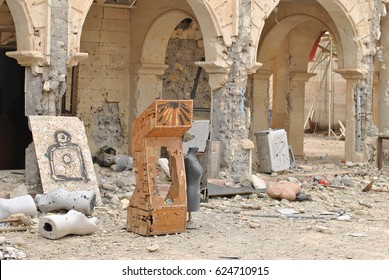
(287, 40)
(183, 79)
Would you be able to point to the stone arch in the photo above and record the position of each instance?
(213, 27)
(78, 11)
(290, 74)
(23, 24)
(277, 34)
(158, 35)
(31, 34)
(351, 27)
(152, 60)
(344, 20)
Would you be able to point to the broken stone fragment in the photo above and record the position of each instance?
(124, 162)
(251, 180)
(153, 248)
(73, 222)
(347, 182)
(284, 190)
(60, 199)
(23, 204)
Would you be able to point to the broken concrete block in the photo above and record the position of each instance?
(251, 180)
(23, 204)
(73, 222)
(258, 183)
(82, 201)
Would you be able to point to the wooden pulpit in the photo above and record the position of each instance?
(161, 125)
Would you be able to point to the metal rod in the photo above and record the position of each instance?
(358, 114)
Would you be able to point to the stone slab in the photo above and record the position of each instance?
(196, 136)
(63, 155)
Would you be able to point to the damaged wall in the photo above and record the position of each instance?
(121, 76)
(103, 93)
(229, 121)
(107, 126)
(186, 47)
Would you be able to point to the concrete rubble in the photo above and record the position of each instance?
(338, 207)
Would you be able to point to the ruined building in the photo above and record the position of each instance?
(106, 61)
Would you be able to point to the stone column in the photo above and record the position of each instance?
(228, 120)
(260, 103)
(149, 85)
(296, 113)
(260, 116)
(54, 75)
(352, 76)
(45, 80)
(383, 116)
(148, 88)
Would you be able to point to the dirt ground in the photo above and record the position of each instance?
(339, 222)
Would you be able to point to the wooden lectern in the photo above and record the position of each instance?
(162, 124)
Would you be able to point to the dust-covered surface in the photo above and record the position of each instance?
(339, 222)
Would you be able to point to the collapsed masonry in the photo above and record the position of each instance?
(248, 45)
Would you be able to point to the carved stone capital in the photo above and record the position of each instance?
(254, 68)
(29, 58)
(76, 58)
(352, 73)
(218, 72)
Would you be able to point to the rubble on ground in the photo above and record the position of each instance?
(337, 206)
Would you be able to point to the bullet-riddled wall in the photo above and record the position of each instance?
(103, 79)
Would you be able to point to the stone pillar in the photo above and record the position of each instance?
(228, 125)
(149, 85)
(147, 89)
(54, 75)
(296, 113)
(45, 78)
(228, 79)
(383, 116)
(260, 118)
(281, 88)
(352, 76)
